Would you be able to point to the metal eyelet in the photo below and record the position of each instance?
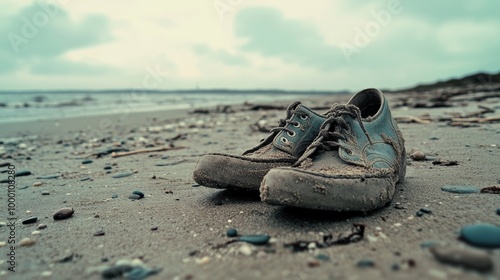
(291, 134)
(349, 152)
(304, 117)
(284, 140)
(297, 125)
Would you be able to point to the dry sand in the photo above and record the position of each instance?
(192, 219)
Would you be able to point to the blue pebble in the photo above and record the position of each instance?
(139, 193)
(123, 174)
(232, 232)
(114, 195)
(87, 161)
(481, 235)
(460, 189)
(366, 263)
(259, 239)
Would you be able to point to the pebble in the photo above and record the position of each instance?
(232, 232)
(154, 228)
(476, 260)
(134, 197)
(116, 271)
(29, 220)
(426, 210)
(419, 213)
(37, 184)
(245, 250)
(108, 167)
(45, 193)
(87, 161)
(139, 193)
(365, 263)
(85, 179)
(99, 233)
(204, 260)
(498, 211)
(123, 174)
(26, 242)
(460, 189)
(3, 243)
(50, 176)
(46, 273)
(322, 257)
(114, 195)
(35, 232)
(3, 164)
(23, 173)
(41, 226)
(259, 239)
(417, 155)
(63, 213)
(481, 235)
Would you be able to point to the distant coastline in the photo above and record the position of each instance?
(179, 91)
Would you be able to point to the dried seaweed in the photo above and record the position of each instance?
(445, 162)
(491, 190)
(357, 233)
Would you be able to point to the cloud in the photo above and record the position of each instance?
(220, 55)
(59, 66)
(41, 34)
(268, 33)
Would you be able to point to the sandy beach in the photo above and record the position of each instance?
(179, 227)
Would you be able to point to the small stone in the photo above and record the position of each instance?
(204, 260)
(3, 243)
(460, 189)
(41, 226)
(36, 232)
(63, 213)
(365, 263)
(477, 260)
(29, 220)
(260, 239)
(481, 235)
(26, 242)
(50, 176)
(417, 155)
(154, 228)
(134, 197)
(498, 211)
(395, 267)
(85, 179)
(3, 164)
(23, 173)
(99, 233)
(139, 193)
(116, 271)
(45, 193)
(37, 184)
(87, 161)
(322, 257)
(419, 213)
(122, 174)
(313, 263)
(108, 167)
(426, 210)
(245, 250)
(46, 274)
(433, 138)
(169, 191)
(114, 195)
(232, 232)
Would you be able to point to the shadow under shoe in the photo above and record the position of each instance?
(282, 147)
(353, 164)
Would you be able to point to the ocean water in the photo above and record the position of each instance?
(16, 107)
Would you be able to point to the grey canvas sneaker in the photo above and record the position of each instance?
(282, 147)
(353, 164)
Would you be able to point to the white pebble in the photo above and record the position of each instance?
(397, 224)
(46, 273)
(311, 246)
(245, 250)
(3, 243)
(204, 260)
(371, 238)
(36, 232)
(26, 242)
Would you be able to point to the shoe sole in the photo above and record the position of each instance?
(222, 171)
(304, 189)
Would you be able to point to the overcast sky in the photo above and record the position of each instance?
(244, 44)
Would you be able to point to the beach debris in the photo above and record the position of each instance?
(481, 235)
(37, 184)
(29, 220)
(355, 235)
(491, 190)
(27, 242)
(147, 150)
(365, 263)
(170, 163)
(63, 213)
(417, 155)
(109, 150)
(87, 161)
(472, 259)
(41, 226)
(122, 174)
(476, 120)
(445, 162)
(460, 189)
(414, 119)
(50, 176)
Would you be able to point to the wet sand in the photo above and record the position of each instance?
(190, 220)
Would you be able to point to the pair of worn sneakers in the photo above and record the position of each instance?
(348, 159)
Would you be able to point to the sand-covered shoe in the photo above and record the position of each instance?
(353, 164)
(282, 147)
